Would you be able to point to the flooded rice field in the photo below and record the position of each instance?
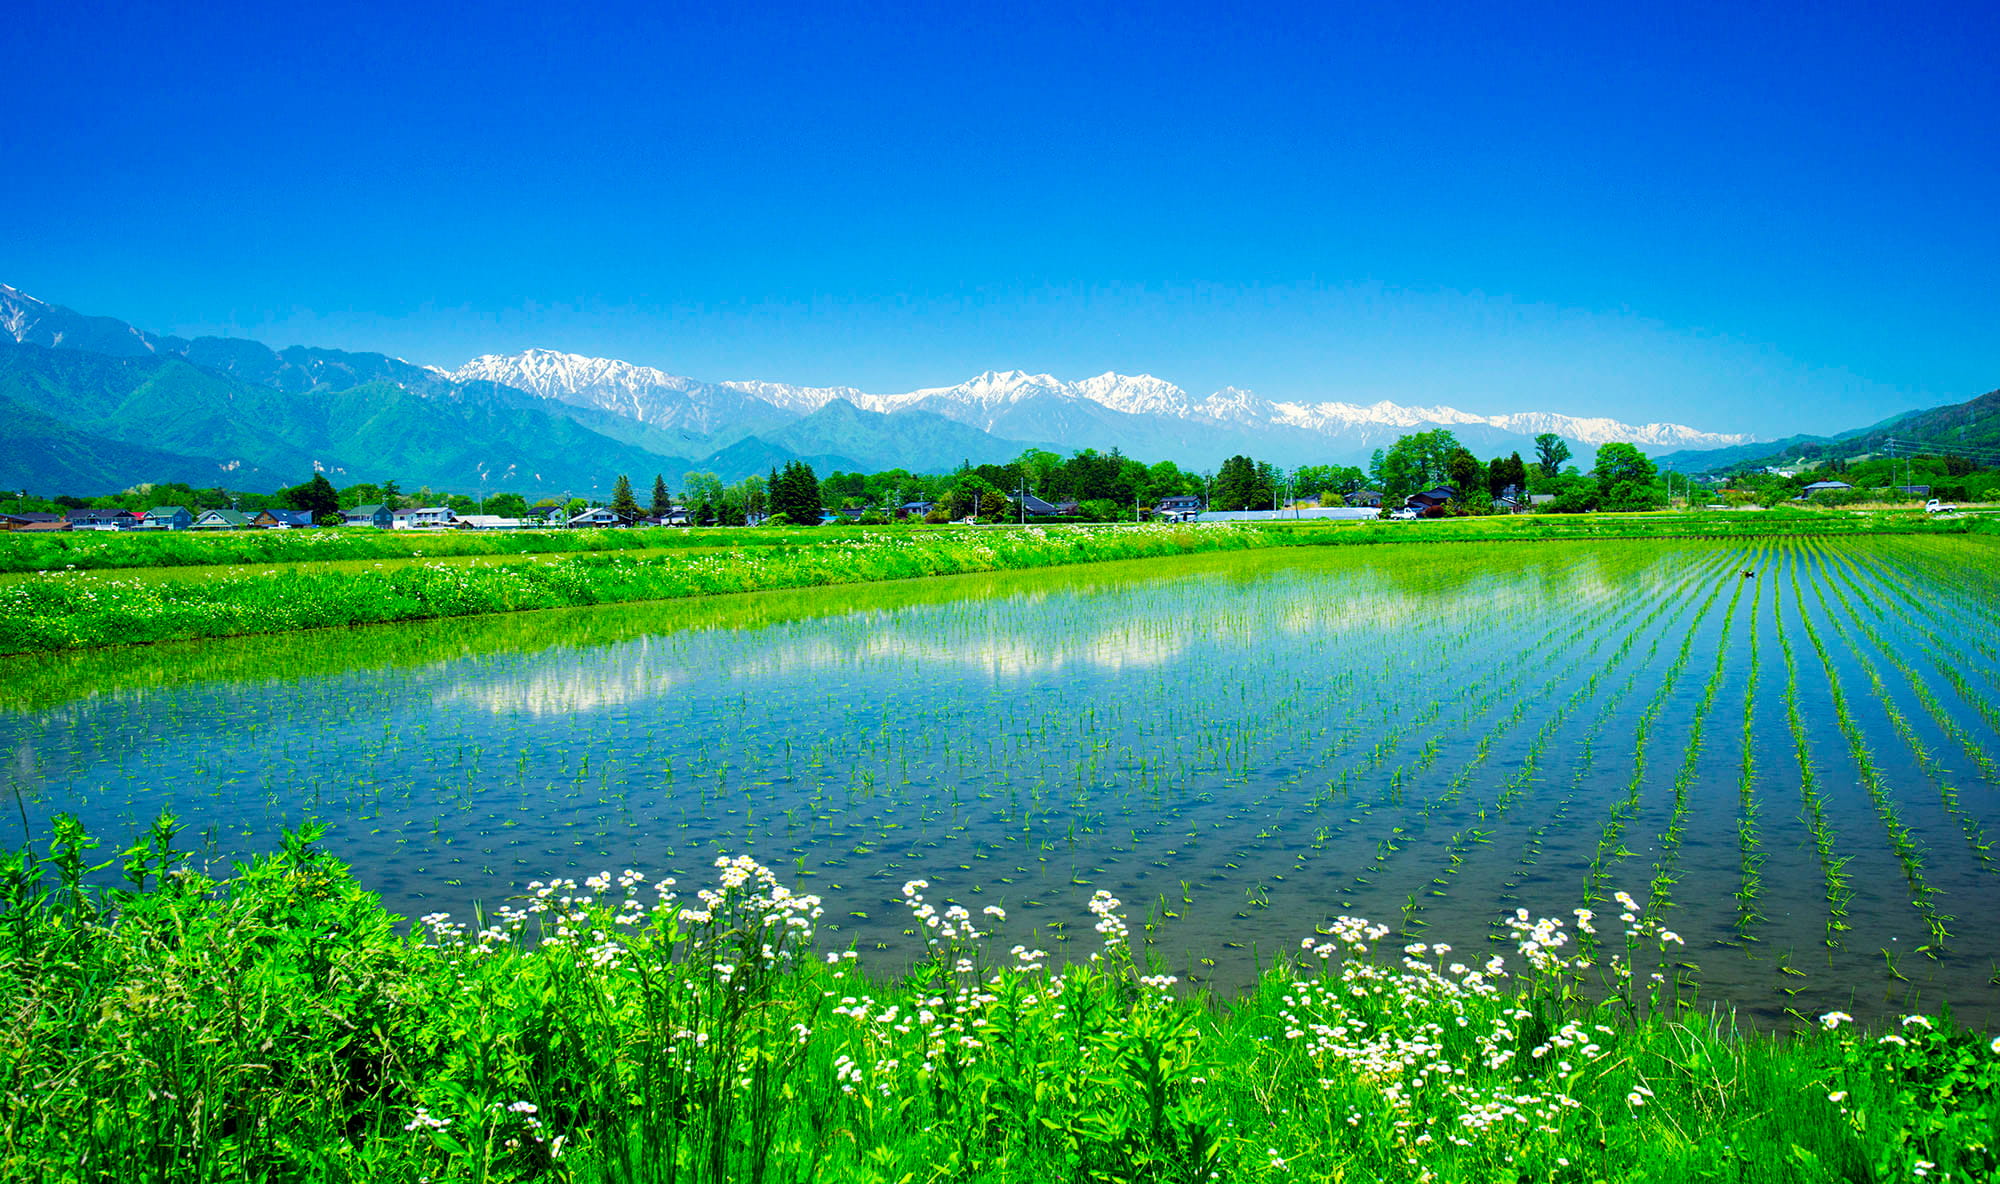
(1787, 750)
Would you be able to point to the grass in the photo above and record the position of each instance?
(279, 1025)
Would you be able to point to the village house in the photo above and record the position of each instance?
(1819, 487)
(1178, 509)
(222, 520)
(376, 515)
(103, 519)
(1364, 499)
(600, 516)
(487, 522)
(274, 519)
(32, 519)
(422, 518)
(1430, 503)
(167, 518)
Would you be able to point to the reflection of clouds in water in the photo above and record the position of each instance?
(1037, 634)
(1001, 656)
(577, 683)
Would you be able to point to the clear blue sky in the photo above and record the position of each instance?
(1761, 218)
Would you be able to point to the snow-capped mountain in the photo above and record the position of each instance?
(1140, 414)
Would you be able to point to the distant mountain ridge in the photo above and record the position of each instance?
(1019, 405)
(211, 409)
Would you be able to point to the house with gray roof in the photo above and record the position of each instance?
(375, 515)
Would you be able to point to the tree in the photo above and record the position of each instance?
(703, 494)
(1416, 462)
(1242, 484)
(392, 494)
(1625, 479)
(1506, 471)
(623, 503)
(972, 495)
(507, 505)
(317, 496)
(1550, 453)
(1468, 477)
(747, 497)
(795, 493)
(663, 502)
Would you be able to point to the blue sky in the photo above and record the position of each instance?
(1742, 217)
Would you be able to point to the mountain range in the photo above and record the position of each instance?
(94, 403)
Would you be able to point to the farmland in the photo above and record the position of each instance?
(1783, 747)
(1799, 763)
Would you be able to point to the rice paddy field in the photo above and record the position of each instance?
(1787, 748)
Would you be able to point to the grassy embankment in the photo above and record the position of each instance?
(275, 1026)
(288, 584)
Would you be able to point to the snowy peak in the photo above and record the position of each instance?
(1137, 394)
(1598, 430)
(569, 377)
(801, 399)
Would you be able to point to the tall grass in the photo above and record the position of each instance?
(276, 1024)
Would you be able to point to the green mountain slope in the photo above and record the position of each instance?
(753, 456)
(921, 441)
(1973, 424)
(43, 454)
(103, 422)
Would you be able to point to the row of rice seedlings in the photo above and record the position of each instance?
(1931, 592)
(1909, 851)
(1455, 786)
(1469, 691)
(1660, 897)
(1750, 880)
(1623, 810)
(1981, 848)
(1399, 834)
(1989, 769)
(1833, 868)
(1597, 872)
(1513, 787)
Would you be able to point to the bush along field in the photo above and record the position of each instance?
(279, 1025)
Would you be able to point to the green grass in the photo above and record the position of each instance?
(277, 1025)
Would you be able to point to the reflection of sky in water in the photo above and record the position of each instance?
(1235, 729)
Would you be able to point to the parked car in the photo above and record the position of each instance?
(1934, 506)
